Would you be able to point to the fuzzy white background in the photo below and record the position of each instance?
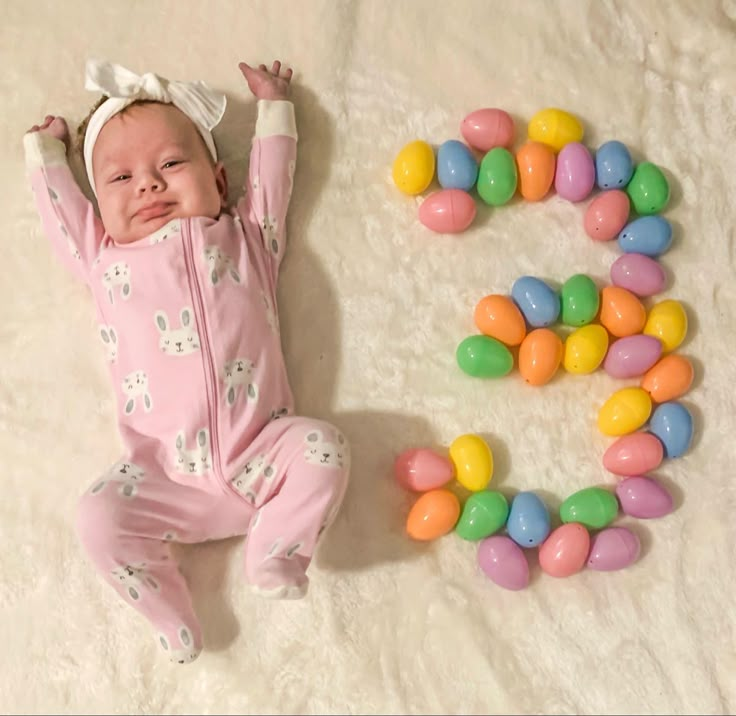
(373, 306)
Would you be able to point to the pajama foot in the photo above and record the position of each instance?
(281, 578)
(188, 651)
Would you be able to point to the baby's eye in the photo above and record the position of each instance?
(121, 177)
(172, 163)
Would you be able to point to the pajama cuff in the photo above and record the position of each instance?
(43, 150)
(275, 117)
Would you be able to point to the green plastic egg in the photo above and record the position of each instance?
(593, 507)
(484, 357)
(484, 513)
(579, 300)
(497, 177)
(648, 189)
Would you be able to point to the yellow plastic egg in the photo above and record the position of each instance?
(413, 168)
(625, 411)
(667, 321)
(585, 349)
(473, 461)
(555, 128)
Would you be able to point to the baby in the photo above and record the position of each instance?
(185, 289)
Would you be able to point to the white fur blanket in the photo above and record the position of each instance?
(373, 306)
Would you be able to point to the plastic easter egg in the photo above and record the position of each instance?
(592, 507)
(503, 562)
(555, 128)
(648, 235)
(413, 168)
(613, 165)
(613, 548)
(484, 513)
(564, 552)
(643, 497)
(606, 215)
(667, 321)
(538, 302)
(585, 349)
(625, 411)
(574, 172)
(498, 177)
(499, 317)
(484, 357)
(632, 356)
(638, 273)
(540, 355)
(422, 469)
(473, 461)
(528, 523)
(669, 379)
(487, 128)
(622, 313)
(634, 454)
(447, 211)
(434, 514)
(648, 189)
(579, 300)
(456, 166)
(672, 423)
(535, 164)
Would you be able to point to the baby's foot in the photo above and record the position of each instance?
(188, 653)
(281, 578)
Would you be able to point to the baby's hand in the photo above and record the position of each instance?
(265, 84)
(54, 126)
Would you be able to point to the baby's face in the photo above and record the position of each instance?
(151, 165)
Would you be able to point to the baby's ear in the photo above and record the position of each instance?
(221, 182)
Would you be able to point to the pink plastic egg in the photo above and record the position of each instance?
(613, 548)
(448, 211)
(575, 172)
(565, 550)
(422, 469)
(487, 128)
(632, 356)
(634, 454)
(503, 562)
(643, 497)
(639, 274)
(606, 215)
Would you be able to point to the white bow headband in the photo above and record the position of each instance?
(123, 87)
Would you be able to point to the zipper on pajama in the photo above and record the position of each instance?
(211, 373)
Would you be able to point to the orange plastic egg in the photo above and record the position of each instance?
(540, 355)
(536, 165)
(434, 514)
(668, 379)
(606, 215)
(499, 317)
(622, 313)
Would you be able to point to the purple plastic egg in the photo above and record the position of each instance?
(503, 562)
(643, 497)
(574, 172)
(632, 356)
(613, 548)
(640, 274)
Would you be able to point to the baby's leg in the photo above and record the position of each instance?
(310, 463)
(125, 521)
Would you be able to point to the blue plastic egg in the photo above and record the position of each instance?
(672, 423)
(613, 166)
(457, 168)
(648, 235)
(528, 523)
(539, 302)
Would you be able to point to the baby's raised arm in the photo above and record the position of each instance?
(68, 217)
(272, 157)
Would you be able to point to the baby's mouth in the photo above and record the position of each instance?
(154, 211)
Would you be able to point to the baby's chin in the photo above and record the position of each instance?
(140, 230)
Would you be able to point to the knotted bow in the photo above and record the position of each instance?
(201, 104)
